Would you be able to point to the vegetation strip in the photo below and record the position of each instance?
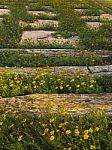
(54, 131)
(14, 83)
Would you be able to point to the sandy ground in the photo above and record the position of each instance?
(4, 11)
(46, 36)
(71, 103)
(37, 13)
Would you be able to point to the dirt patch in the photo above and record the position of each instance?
(38, 13)
(95, 25)
(34, 35)
(77, 103)
(46, 36)
(4, 11)
(106, 17)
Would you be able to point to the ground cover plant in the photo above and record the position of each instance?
(71, 21)
(20, 59)
(14, 83)
(10, 32)
(97, 39)
(22, 130)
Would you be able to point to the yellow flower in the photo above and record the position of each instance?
(102, 108)
(52, 132)
(43, 74)
(68, 132)
(57, 131)
(91, 86)
(58, 79)
(24, 120)
(92, 81)
(72, 80)
(43, 125)
(92, 147)
(93, 60)
(11, 126)
(76, 132)
(78, 76)
(46, 130)
(52, 138)
(83, 83)
(67, 85)
(61, 87)
(86, 131)
(69, 88)
(52, 120)
(69, 144)
(20, 138)
(1, 123)
(97, 128)
(90, 130)
(78, 86)
(65, 123)
(86, 136)
(31, 123)
(61, 125)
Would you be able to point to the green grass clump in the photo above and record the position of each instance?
(97, 38)
(10, 32)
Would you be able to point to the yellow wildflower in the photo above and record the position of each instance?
(92, 81)
(46, 130)
(86, 131)
(92, 147)
(52, 132)
(69, 88)
(11, 126)
(24, 120)
(52, 138)
(78, 86)
(83, 83)
(43, 125)
(90, 130)
(76, 132)
(31, 123)
(52, 120)
(86, 136)
(91, 86)
(68, 132)
(1, 123)
(20, 138)
(58, 79)
(69, 144)
(60, 125)
(61, 87)
(97, 128)
(72, 80)
(67, 85)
